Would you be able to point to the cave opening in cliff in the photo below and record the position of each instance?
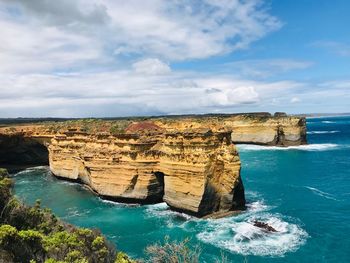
(17, 151)
(160, 187)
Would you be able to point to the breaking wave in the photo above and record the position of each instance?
(32, 169)
(163, 210)
(114, 203)
(328, 121)
(244, 238)
(237, 234)
(321, 132)
(309, 147)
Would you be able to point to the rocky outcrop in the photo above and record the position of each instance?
(191, 162)
(197, 173)
(261, 129)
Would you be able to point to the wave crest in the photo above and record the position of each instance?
(322, 132)
(309, 147)
(246, 239)
(328, 121)
(321, 193)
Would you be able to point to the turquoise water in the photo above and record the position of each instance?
(303, 192)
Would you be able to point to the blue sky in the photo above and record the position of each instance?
(120, 58)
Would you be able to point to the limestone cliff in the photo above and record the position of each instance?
(262, 129)
(189, 162)
(195, 172)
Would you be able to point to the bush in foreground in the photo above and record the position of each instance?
(33, 234)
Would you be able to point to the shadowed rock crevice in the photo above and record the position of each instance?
(17, 150)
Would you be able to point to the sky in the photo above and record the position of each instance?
(110, 58)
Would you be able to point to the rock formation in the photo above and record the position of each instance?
(194, 172)
(189, 162)
(261, 129)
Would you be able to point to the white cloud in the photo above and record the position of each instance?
(26, 49)
(151, 66)
(235, 96)
(294, 100)
(122, 92)
(171, 30)
(106, 58)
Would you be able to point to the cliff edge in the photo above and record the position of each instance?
(191, 162)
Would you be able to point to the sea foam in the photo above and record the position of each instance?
(163, 210)
(328, 121)
(308, 147)
(321, 193)
(322, 132)
(244, 238)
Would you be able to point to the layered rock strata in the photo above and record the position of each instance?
(261, 129)
(189, 162)
(195, 172)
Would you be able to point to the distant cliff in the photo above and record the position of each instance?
(189, 162)
(261, 129)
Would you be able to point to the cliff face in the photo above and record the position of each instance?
(248, 129)
(191, 162)
(197, 173)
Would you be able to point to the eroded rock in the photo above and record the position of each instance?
(190, 162)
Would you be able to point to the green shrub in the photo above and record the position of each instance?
(30, 235)
(3, 172)
(173, 252)
(33, 234)
(123, 258)
(7, 235)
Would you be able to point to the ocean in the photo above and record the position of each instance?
(303, 192)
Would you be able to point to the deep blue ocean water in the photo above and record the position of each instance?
(303, 192)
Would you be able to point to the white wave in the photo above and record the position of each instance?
(252, 194)
(328, 121)
(321, 193)
(246, 239)
(321, 132)
(75, 212)
(163, 210)
(257, 206)
(70, 183)
(32, 169)
(118, 204)
(308, 147)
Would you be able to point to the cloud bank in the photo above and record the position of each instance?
(114, 58)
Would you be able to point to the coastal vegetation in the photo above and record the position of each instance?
(33, 234)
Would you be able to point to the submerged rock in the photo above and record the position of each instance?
(264, 226)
